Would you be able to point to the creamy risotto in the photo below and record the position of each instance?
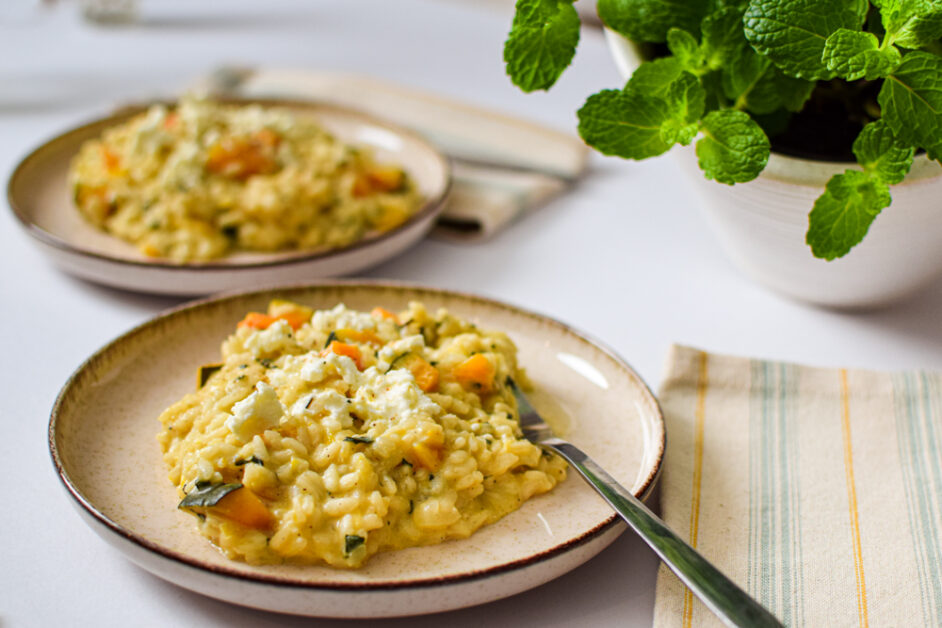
(332, 435)
(202, 180)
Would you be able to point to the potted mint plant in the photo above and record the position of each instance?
(824, 106)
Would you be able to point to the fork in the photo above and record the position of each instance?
(721, 595)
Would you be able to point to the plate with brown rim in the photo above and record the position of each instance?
(102, 437)
(38, 194)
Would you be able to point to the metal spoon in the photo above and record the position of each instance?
(721, 595)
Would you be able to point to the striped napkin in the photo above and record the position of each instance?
(817, 490)
(502, 166)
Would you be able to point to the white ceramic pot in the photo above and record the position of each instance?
(762, 225)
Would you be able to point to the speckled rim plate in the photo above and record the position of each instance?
(102, 437)
(39, 197)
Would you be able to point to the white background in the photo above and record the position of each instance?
(626, 257)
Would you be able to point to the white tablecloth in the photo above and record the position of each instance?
(626, 256)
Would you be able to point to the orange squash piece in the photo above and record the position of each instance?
(426, 376)
(476, 373)
(356, 335)
(385, 178)
(427, 452)
(381, 312)
(111, 160)
(243, 506)
(240, 159)
(342, 348)
(257, 320)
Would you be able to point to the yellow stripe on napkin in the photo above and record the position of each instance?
(817, 490)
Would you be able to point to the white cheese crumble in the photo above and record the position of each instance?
(342, 318)
(256, 413)
(276, 339)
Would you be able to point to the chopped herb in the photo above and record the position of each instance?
(310, 400)
(411, 506)
(395, 363)
(240, 378)
(243, 366)
(266, 362)
(154, 226)
(207, 494)
(351, 542)
(404, 461)
(430, 477)
(366, 440)
(330, 338)
(230, 231)
(253, 459)
(434, 362)
(509, 381)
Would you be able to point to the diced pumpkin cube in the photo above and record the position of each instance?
(475, 373)
(361, 186)
(355, 335)
(381, 312)
(427, 456)
(342, 348)
(426, 376)
(111, 160)
(277, 307)
(243, 506)
(294, 313)
(238, 158)
(257, 320)
(385, 178)
(427, 451)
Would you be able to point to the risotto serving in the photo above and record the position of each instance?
(332, 435)
(202, 179)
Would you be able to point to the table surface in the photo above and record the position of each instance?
(626, 257)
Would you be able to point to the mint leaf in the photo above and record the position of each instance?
(741, 73)
(625, 123)
(842, 215)
(734, 148)
(792, 33)
(686, 100)
(541, 43)
(723, 38)
(655, 77)
(880, 153)
(649, 20)
(775, 90)
(854, 55)
(911, 100)
(911, 24)
(684, 48)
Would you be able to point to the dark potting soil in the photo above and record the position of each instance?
(827, 125)
(825, 129)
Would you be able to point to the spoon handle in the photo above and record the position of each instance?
(721, 595)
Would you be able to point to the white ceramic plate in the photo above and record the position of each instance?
(38, 194)
(102, 436)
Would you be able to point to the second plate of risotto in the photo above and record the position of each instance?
(201, 196)
(350, 449)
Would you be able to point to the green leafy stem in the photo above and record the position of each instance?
(732, 65)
